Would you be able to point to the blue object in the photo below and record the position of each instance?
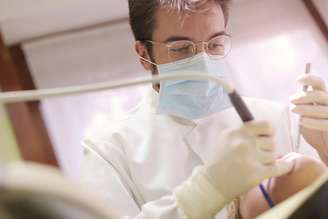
(266, 196)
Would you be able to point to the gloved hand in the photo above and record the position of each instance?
(245, 157)
(313, 107)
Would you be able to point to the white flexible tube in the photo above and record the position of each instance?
(34, 95)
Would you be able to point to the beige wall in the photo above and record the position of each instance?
(8, 146)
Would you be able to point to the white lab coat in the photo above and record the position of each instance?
(137, 161)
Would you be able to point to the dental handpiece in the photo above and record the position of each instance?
(236, 100)
(246, 116)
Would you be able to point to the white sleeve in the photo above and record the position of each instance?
(103, 178)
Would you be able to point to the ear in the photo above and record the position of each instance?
(142, 52)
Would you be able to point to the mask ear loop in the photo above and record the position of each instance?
(157, 85)
(146, 60)
(147, 51)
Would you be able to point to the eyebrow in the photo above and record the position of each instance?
(218, 34)
(177, 38)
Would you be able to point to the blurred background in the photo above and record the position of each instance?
(47, 44)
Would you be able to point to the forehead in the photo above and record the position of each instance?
(197, 25)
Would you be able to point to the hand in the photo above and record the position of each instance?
(245, 158)
(313, 107)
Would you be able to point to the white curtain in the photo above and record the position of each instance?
(93, 56)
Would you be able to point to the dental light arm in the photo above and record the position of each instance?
(34, 95)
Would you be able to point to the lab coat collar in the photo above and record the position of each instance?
(204, 138)
(202, 135)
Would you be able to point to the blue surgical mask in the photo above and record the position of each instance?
(192, 99)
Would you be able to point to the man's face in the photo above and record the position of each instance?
(197, 26)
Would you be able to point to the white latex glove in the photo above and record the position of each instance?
(246, 156)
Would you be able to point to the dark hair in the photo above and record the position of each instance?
(142, 13)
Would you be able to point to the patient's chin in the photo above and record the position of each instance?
(306, 170)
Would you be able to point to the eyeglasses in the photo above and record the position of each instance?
(217, 48)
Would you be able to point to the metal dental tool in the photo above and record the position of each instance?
(305, 88)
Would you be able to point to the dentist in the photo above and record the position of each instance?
(183, 152)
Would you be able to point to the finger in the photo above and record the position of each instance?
(266, 157)
(319, 97)
(259, 128)
(311, 111)
(316, 124)
(279, 168)
(265, 143)
(314, 81)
